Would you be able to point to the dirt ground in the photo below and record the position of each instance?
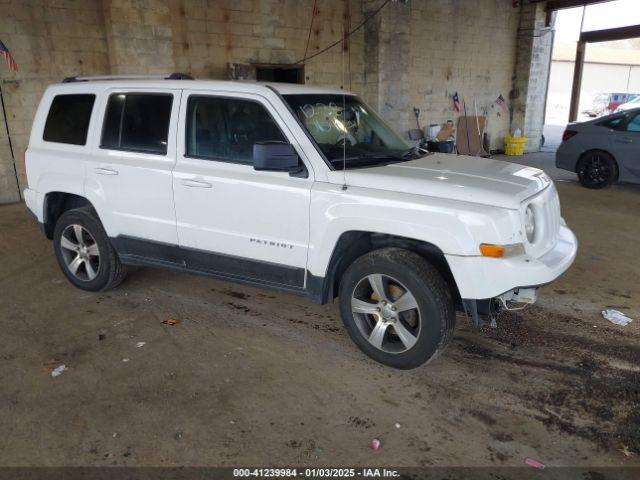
(250, 377)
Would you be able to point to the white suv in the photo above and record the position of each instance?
(297, 188)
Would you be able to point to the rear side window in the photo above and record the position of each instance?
(137, 122)
(612, 122)
(68, 119)
(226, 128)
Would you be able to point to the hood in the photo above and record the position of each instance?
(456, 177)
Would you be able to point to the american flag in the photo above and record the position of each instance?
(456, 102)
(11, 63)
(502, 103)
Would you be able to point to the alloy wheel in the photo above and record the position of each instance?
(595, 170)
(386, 313)
(80, 252)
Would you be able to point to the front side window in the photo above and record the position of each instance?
(634, 124)
(348, 131)
(137, 122)
(225, 129)
(68, 119)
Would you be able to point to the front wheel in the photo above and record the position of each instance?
(396, 307)
(596, 170)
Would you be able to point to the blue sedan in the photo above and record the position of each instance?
(604, 150)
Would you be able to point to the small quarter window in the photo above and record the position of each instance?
(68, 119)
(137, 122)
(226, 128)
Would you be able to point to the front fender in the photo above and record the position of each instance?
(456, 228)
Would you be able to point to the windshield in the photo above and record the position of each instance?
(345, 126)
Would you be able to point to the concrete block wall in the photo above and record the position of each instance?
(208, 35)
(138, 35)
(431, 49)
(8, 186)
(415, 53)
(49, 40)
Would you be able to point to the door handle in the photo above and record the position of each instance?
(105, 171)
(196, 183)
(624, 140)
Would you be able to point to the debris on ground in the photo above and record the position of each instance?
(56, 372)
(626, 451)
(101, 336)
(171, 321)
(375, 444)
(140, 344)
(614, 316)
(534, 463)
(125, 360)
(397, 425)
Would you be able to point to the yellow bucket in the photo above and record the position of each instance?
(514, 146)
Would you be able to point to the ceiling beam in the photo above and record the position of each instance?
(562, 4)
(611, 34)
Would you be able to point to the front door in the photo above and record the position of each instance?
(626, 148)
(233, 220)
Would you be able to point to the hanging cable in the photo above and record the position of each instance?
(344, 117)
(314, 12)
(347, 35)
(348, 13)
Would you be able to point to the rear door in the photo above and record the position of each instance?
(129, 173)
(233, 220)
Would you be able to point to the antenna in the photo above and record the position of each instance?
(344, 117)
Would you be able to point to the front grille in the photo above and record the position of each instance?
(546, 208)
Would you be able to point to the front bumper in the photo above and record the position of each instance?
(485, 278)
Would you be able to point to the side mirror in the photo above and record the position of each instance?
(275, 156)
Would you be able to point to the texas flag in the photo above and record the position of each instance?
(456, 102)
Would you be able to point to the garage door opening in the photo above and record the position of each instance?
(595, 64)
(280, 73)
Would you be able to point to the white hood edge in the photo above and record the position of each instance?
(456, 177)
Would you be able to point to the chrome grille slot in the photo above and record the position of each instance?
(546, 208)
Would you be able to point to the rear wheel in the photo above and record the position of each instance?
(597, 170)
(396, 307)
(84, 252)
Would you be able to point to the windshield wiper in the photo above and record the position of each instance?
(369, 156)
(416, 152)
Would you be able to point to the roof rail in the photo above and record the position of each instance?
(130, 76)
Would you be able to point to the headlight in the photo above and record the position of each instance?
(530, 224)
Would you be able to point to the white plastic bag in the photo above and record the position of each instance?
(614, 316)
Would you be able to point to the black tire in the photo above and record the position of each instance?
(109, 271)
(597, 169)
(435, 311)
